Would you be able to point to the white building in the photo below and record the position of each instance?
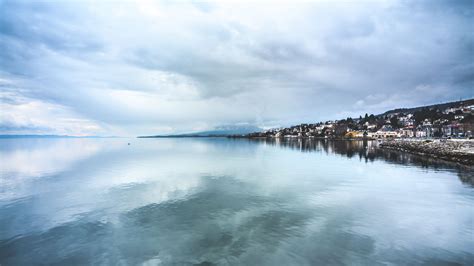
(407, 132)
(420, 134)
(385, 134)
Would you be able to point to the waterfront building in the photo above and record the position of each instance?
(407, 132)
(420, 134)
(385, 134)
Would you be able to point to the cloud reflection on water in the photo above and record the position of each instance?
(219, 201)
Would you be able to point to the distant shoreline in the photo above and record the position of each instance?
(246, 137)
(53, 136)
(181, 136)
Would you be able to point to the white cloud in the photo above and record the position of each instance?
(147, 65)
(21, 114)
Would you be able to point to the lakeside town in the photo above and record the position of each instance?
(449, 120)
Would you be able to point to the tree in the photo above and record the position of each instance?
(371, 118)
(394, 122)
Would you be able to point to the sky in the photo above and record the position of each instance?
(128, 68)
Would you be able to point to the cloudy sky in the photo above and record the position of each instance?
(147, 67)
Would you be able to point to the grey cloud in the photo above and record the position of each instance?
(43, 23)
(139, 66)
(11, 128)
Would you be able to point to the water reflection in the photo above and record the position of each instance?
(220, 202)
(38, 157)
(368, 151)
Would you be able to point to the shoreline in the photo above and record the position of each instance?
(299, 138)
(458, 151)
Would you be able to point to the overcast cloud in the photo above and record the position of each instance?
(149, 67)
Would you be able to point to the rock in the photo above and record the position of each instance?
(459, 151)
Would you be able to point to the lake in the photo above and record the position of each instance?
(217, 201)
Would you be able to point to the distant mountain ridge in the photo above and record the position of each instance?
(220, 131)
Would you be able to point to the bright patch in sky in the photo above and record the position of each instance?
(150, 67)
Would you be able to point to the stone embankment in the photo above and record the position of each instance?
(460, 151)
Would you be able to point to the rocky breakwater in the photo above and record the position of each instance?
(460, 151)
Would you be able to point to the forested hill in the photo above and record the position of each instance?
(441, 106)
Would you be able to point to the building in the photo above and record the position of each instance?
(381, 134)
(450, 110)
(406, 120)
(420, 133)
(340, 130)
(452, 130)
(407, 132)
(356, 134)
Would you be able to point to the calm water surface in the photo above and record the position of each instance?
(220, 201)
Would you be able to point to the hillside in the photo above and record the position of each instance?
(440, 106)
